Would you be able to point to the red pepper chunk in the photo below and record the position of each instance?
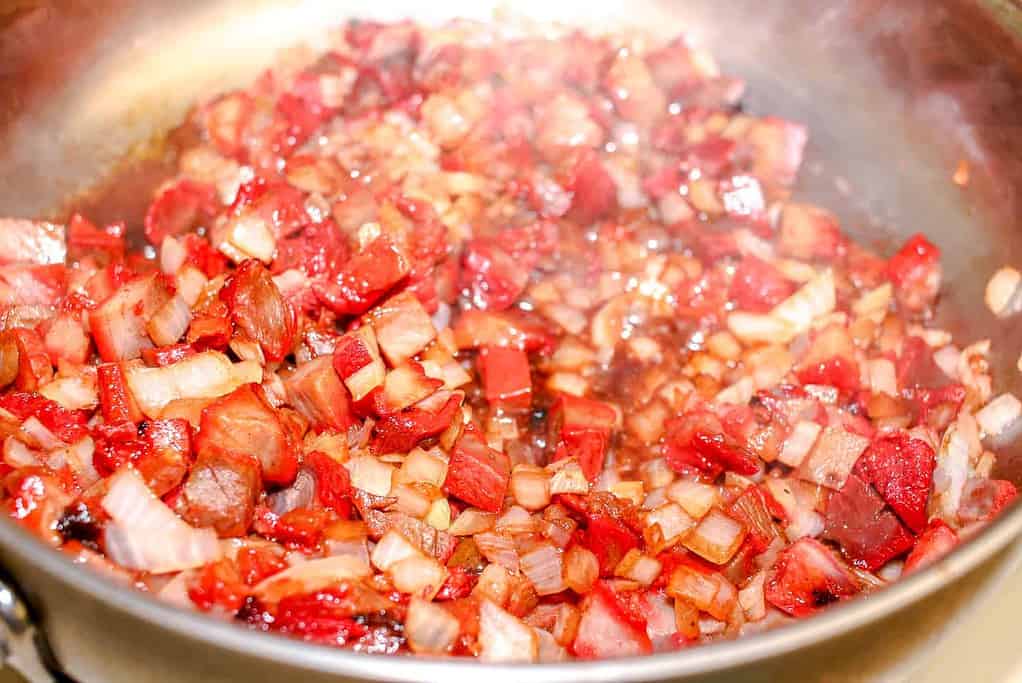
(365, 278)
(68, 425)
(807, 577)
(333, 483)
(506, 377)
(915, 272)
(837, 372)
(477, 474)
(115, 400)
(401, 432)
(697, 440)
(594, 194)
(901, 470)
(581, 428)
(610, 540)
(936, 541)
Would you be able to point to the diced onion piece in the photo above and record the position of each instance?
(145, 534)
(391, 549)
(581, 569)
(567, 383)
(17, 454)
(813, 300)
(530, 486)
(751, 598)
(671, 522)
(516, 520)
(803, 520)
(799, 443)
(403, 328)
(882, 377)
(472, 521)
(204, 375)
(629, 490)
(874, 303)
(543, 567)
(494, 584)
(716, 538)
(170, 322)
(439, 515)
(358, 362)
(758, 328)
(738, 393)
(172, 255)
(74, 393)
(695, 498)
(503, 638)
(958, 447)
(190, 283)
(430, 629)
(498, 549)
(249, 236)
(568, 478)
(833, 456)
(656, 474)
(692, 586)
(638, 567)
(312, 575)
(1002, 292)
(947, 359)
(970, 369)
(999, 414)
(427, 467)
(571, 319)
(418, 575)
(371, 475)
(35, 434)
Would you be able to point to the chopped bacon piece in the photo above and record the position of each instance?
(167, 456)
(259, 310)
(68, 425)
(477, 474)
(317, 392)
(242, 422)
(221, 492)
(494, 278)
(333, 483)
(119, 324)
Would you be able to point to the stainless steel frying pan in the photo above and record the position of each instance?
(896, 93)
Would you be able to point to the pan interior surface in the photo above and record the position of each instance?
(895, 95)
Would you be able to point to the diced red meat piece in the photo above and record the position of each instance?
(900, 468)
(178, 208)
(221, 492)
(806, 577)
(494, 279)
(259, 310)
(594, 194)
(757, 286)
(167, 456)
(477, 474)
(936, 541)
(870, 535)
(915, 271)
(242, 422)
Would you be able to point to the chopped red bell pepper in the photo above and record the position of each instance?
(477, 474)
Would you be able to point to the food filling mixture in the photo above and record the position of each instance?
(479, 342)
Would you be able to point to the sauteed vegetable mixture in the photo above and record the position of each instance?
(474, 341)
